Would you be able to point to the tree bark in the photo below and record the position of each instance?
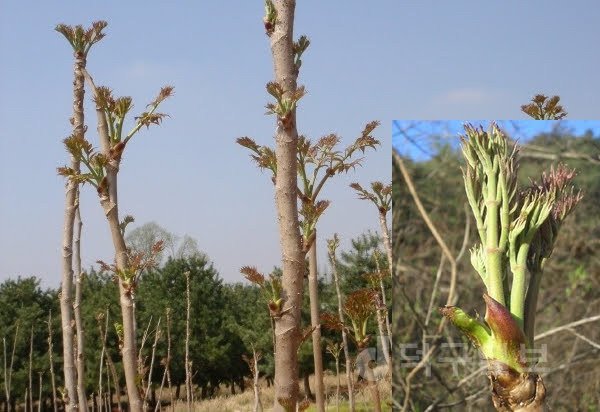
(110, 205)
(344, 335)
(51, 361)
(385, 346)
(287, 326)
(385, 234)
(257, 403)
(80, 358)
(66, 294)
(188, 372)
(313, 290)
(307, 392)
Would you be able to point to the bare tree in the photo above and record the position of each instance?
(279, 26)
(9, 370)
(381, 196)
(334, 348)
(188, 371)
(80, 351)
(30, 374)
(253, 365)
(102, 171)
(81, 41)
(51, 361)
(332, 246)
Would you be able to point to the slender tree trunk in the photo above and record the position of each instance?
(80, 358)
(287, 326)
(385, 234)
(188, 373)
(344, 335)
(30, 374)
(103, 332)
(257, 403)
(384, 342)
(51, 360)
(8, 373)
(149, 385)
(383, 322)
(388, 249)
(315, 318)
(110, 204)
(364, 358)
(66, 294)
(40, 393)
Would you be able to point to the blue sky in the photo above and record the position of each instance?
(411, 137)
(381, 60)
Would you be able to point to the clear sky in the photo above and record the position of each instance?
(410, 137)
(368, 60)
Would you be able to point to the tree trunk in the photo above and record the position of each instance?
(385, 234)
(51, 361)
(344, 335)
(66, 309)
(307, 392)
(388, 249)
(315, 319)
(80, 358)
(514, 391)
(384, 342)
(110, 204)
(287, 326)
(364, 359)
(257, 403)
(188, 372)
(29, 401)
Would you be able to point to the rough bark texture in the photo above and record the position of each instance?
(80, 358)
(66, 309)
(287, 327)
(313, 290)
(515, 391)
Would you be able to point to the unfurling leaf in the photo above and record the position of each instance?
(147, 119)
(253, 275)
(165, 92)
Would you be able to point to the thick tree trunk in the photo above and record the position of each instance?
(66, 294)
(514, 391)
(315, 318)
(287, 326)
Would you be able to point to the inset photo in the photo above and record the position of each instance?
(496, 301)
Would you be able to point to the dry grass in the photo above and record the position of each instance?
(244, 402)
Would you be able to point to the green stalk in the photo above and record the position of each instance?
(531, 305)
(493, 252)
(517, 293)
